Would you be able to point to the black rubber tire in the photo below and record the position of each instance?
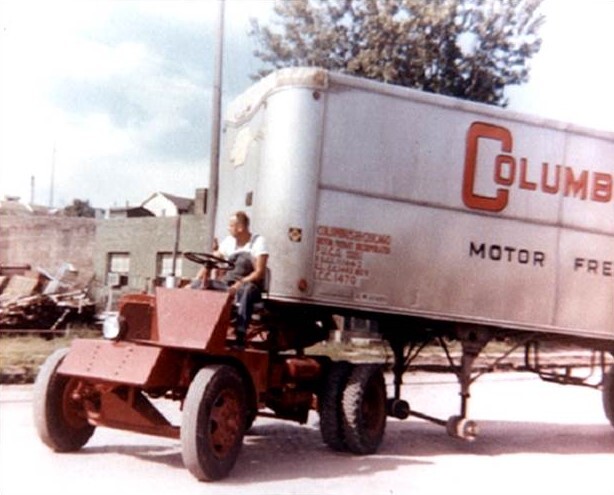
(250, 418)
(213, 422)
(331, 424)
(60, 421)
(607, 394)
(364, 409)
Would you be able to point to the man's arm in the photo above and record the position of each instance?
(257, 275)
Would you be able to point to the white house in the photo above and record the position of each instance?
(167, 205)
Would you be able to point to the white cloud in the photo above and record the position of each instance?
(90, 60)
(106, 105)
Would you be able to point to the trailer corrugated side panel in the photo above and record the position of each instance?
(385, 199)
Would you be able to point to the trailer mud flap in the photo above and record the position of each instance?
(121, 362)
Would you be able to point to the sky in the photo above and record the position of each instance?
(110, 101)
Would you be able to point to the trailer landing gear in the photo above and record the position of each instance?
(472, 342)
(459, 427)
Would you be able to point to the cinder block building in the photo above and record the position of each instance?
(137, 253)
(136, 248)
(132, 249)
(39, 239)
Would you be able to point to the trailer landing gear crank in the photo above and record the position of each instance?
(472, 342)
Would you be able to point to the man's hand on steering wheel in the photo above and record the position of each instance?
(209, 260)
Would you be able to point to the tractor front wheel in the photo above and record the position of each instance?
(213, 423)
(59, 416)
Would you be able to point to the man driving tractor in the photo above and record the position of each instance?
(247, 256)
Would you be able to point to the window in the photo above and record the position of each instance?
(165, 264)
(119, 263)
(118, 268)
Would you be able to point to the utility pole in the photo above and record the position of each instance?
(52, 185)
(214, 162)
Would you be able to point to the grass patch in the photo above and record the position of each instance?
(375, 351)
(379, 351)
(22, 355)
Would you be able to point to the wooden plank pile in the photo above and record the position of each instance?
(37, 300)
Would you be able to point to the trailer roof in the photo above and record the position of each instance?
(320, 79)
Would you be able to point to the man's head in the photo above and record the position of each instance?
(238, 226)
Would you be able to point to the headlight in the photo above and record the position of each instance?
(113, 327)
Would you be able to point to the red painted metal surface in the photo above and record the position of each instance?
(121, 362)
(193, 319)
(303, 368)
(256, 363)
(129, 409)
(138, 310)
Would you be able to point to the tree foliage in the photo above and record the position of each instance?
(80, 208)
(470, 49)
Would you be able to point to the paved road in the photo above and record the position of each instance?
(536, 438)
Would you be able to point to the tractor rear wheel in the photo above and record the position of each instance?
(60, 419)
(213, 423)
(608, 394)
(364, 409)
(331, 396)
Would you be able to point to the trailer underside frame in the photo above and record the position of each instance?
(590, 369)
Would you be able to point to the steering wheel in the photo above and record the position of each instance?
(209, 260)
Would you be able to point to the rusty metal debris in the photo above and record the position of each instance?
(35, 299)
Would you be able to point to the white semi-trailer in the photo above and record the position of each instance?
(430, 215)
(393, 201)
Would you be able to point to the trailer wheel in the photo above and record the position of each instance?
(330, 402)
(364, 409)
(608, 395)
(59, 418)
(213, 422)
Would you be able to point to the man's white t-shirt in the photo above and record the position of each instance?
(255, 246)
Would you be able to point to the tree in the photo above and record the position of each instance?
(470, 49)
(80, 208)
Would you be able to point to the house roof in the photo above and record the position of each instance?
(129, 212)
(183, 204)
